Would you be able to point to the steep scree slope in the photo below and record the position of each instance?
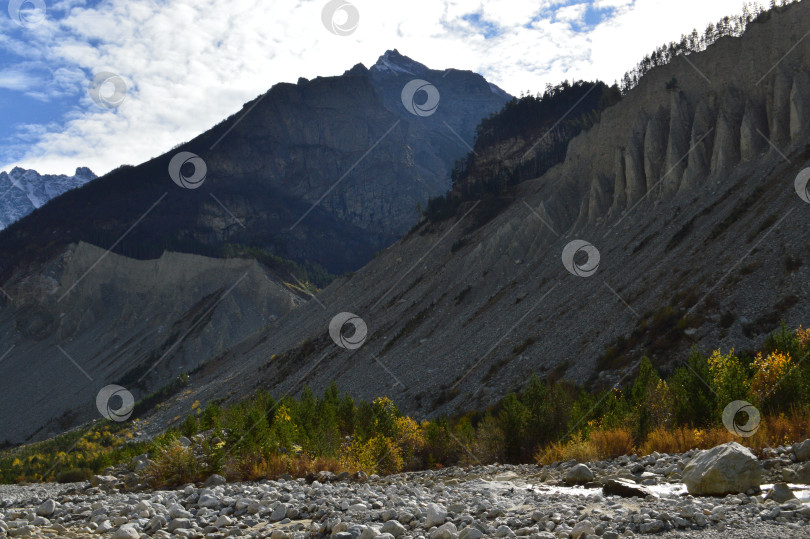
(89, 319)
(689, 197)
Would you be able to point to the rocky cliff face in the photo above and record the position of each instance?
(22, 191)
(688, 196)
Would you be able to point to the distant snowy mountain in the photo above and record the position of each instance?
(22, 190)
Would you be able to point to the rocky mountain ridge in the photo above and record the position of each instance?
(326, 171)
(24, 190)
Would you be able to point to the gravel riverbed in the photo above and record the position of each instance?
(565, 500)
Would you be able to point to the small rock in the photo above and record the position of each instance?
(470, 532)
(215, 480)
(279, 512)
(445, 531)
(126, 532)
(359, 477)
(578, 475)
(47, 508)
(651, 527)
(582, 529)
(222, 521)
(207, 500)
(802, 450)
(21, 531)
(504, 531)
(178, 524)
(780, 493)
(624, 488)
(157, 522)
(104, 481)
(176, 511)
(435, 515)
(803, 474)
(394, 528)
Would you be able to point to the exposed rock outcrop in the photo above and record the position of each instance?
(779, 108)
(754, 129)
(701, 145)
(655, 149)
(619, 183)
(680, 123)
(634, 161)
(726, 153)
(800, 106)
(600, 198)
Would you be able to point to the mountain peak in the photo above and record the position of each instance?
(84, 172)
(395, 62)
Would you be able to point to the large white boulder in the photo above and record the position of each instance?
(726, 469)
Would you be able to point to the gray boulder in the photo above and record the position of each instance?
(726, 469)
(394, 528)
(447, 530)
(578, 475)
(582, 529)
(624, 488)
(803, 474)
(47, 508)
(780, 493)
(802, 450)
(470, 532)
(435, 515)
(126, 532)
(215, 480)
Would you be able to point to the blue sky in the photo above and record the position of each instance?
(183, 65)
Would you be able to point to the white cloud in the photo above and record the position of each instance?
(572, 13)
(190, 63)
(16, 79)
